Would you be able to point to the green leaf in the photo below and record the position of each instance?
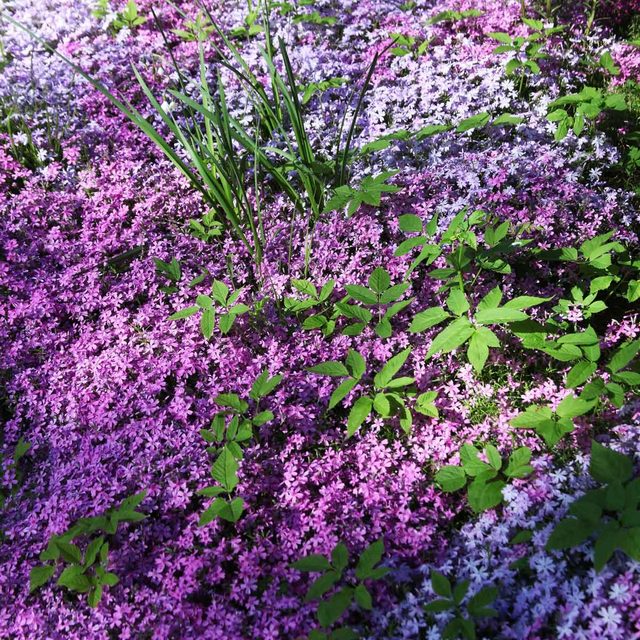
(580, 373)
(410, 223)
(609, 466)
(70, 552)
(363, 597)
(457, 302)
(369, 558)
(40, 575)
(491, 300)
(340, 556)
(484, 495)
(207, 323)
(479, 120)
(427, 319)
(379, 280)
(331, 610)
(320, 586)
(184, 313)
(73, 578)
(624, 356)
(460, 591)
(499, 315)
(568, 533)
(392, 366)
(507, 118)
(518, 465)
(524, 302)
(330, 368)
(313, 562)
(225, 323)
(453, 336)
(438, 606)
(225, 468)
(231, 511)
(493, 456)
(571, 407)
(477, 351)
(341, 391)
(605, 546)
(441, 584)
(220, 292)
(359, 412)
(471, 463)
(477, 604)
(362, 294)
(451, 478)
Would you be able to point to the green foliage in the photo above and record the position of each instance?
(576, 110)
(206, 306)
(463, 623)
(486, 479)
(85, 571)
(405, 45)
(472, 328)
(464, 251)
(313, 88)
(338, 588)
(250, 27)
(526, 51)
(387, 393)
(128, 17)
(379, 303)
(454, 16)
(610, 514)
(551, 425)
(324, 317)
(369, 192)
(196, 30)
(231, 429)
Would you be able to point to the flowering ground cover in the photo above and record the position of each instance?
(320, 319)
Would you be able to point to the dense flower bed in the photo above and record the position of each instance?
(111, 395)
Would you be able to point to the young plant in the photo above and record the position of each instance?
(576, 110)
(369, 192)
(610, 514)
(171, 271)
(348, 586)
(231, 309)
(486, 479)
(85, 571)
(465, 327)
(129, 17)
(465, 252)
(620, 379)
(388, 394)
(322, 320)
(452, 597)
(230, 430)
(552, 424)
(381, 296)
(526, 50)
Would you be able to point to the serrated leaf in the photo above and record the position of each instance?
(330, 368)
(312, 562)
(359, 412)
(452, 337)
(392, 366)
(428, 318)
(451, 478)
(40, 575)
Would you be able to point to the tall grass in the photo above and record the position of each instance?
(227, 161)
